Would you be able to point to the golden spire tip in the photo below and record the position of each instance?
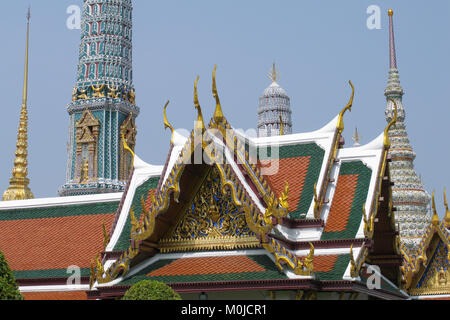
(390, 12)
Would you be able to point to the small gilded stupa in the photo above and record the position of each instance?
(409, 196)
(18, 184)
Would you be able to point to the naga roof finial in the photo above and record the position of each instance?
(200, 124)
(340, 125)
(167, 124)
(435, 219)
(447, 212)
(218, 114)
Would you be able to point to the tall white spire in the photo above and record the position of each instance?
(408, 193)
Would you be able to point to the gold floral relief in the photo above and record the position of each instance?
(211, 221)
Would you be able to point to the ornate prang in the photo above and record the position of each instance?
(408, 193)
(274, 111)
(104, 87)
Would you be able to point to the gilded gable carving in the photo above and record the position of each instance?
(211, 221)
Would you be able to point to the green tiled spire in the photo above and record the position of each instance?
(103, 101)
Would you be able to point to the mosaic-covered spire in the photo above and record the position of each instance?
(409, 195)
(274, 112)
(18, 185)
(103, 110)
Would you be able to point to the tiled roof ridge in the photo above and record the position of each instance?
(121, 204)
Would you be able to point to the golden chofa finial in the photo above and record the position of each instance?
(18, 185)
(340, 125)
(199, 124)
(390, 12)
(167, 124)
(447, 212)
(435, 219)
(218, 114)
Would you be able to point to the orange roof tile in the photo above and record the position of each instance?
(148, 200)
(342, 203)
(208, 265)
(323, 263)
(53, 243)
(292, 170)
(68, 295)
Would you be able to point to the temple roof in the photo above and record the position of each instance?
(41, 238)
(311, 219)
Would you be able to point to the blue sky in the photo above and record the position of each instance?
(318, 46)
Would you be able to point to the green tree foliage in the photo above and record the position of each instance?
(8, 286)
(151, 290)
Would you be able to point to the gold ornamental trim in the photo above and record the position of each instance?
(213, 243)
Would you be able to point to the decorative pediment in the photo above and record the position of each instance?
(434, 276)
(425, 271)
(87, 120)
(211, 221)
(86, 136)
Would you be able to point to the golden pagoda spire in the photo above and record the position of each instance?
(18, 184)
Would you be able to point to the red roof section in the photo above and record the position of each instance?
(68, 295)
(342, 203)
(53, 243)
(291, 170)
(208, 265)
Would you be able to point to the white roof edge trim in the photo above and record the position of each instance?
(142, 173)
(60, 201)
(239, 175)
(179, 139)
(323, 133)
(202, 254)
(58, 288)
(328, 251)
